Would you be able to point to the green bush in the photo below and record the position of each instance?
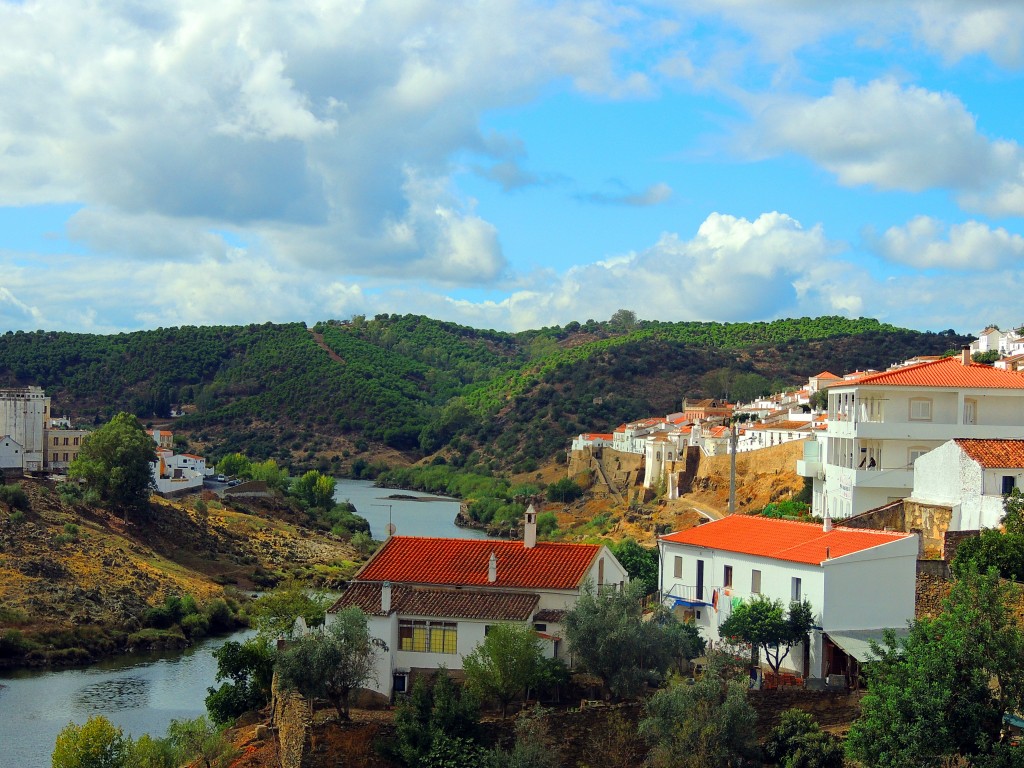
(64, 538)
(195, 625)
(17, 517)
(14, 496)
(13, 644)
(564, 491)
(547, 523)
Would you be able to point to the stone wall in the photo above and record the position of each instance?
(931, 521)
(293, 719)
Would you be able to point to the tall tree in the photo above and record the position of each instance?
(943, 690)
(115, 461)
(333, 663)
(767, 625)
(505, 664)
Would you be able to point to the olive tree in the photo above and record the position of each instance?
(505, 664)
(331, 664)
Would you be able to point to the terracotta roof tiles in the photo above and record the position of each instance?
(485, 605)
(947, 372)
(423, 560)
(994, 454)
(782, 539)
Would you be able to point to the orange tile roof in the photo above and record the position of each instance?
(947, 372)
(423, 560)
(994, 454)
(782, 539)
(825, 375)
(484, 604)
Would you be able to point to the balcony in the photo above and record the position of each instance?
(688, 595)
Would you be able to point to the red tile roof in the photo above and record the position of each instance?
(782, 539)
(994, 454)
(947, 372)
(483, 604)
(825, 375)
(422, 560)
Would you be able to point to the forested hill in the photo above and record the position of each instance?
(342, 392)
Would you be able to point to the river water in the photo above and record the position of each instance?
(140, 693)
(143, 693)
(410, 518)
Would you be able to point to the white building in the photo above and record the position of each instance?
(1004, 342)
(971, 477)
(857, 581)
(880, 424)
(175, 474)
(430, 600)
(591, 440)
(11, 454)
(23, 413)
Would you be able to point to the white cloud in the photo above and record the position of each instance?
(655, 194)
(957, 29)
(299, 122)
(895, 137)
(926, 243)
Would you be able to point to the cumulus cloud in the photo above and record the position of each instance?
(960, 29)
(298, 122)
(895, 137)
(927, 243)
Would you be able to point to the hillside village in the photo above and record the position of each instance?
(900, 467)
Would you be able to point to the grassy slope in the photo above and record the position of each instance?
(105, 579)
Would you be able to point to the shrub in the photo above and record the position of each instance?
(13, 644)
(547, 523)
(564, 490)
(218, 615)
(17, 517)
(195, 625)
(14, 496)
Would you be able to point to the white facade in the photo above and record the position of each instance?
(950, 476)
(175, 474)
(870, 589)
(11, 453)
(23, 414)
(879, 426)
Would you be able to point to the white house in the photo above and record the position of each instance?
(971, 477)
(11, 454)
(880, 424)
(430, 600)
(591, 440)
(174, 474)
(857, 581)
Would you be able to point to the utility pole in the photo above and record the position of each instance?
(733, 438)
(390, 530)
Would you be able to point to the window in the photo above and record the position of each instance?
(677, 567)
(541, 627)
(915, 453)
(920, 409)
(76, 441)
(727, 576)
(55, 441)
(1008, 483)
(427, 636)
(65, 441)
(970, 411)
(600, 572)
(797, 590)
(755, 582)
(65, 457)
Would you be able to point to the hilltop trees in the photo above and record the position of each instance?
(115, 462)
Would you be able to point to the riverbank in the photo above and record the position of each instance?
(78, 584)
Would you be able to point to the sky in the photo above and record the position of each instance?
(510, 164)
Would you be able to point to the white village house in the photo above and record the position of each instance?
(429, 601)
(970, 477)
(880, 424)
(858, 582)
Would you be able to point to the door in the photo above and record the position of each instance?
(700, 580)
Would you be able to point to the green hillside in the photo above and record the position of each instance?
(342, 391)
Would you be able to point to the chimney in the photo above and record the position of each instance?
(530, 528)
(965, 354)
(492, 568)
(826, 524)
(385, 597)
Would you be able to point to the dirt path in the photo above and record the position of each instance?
(319, 339)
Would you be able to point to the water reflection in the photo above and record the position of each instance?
(114, 695)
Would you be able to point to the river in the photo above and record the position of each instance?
(410, 518)
(143, 693)
(140, 693)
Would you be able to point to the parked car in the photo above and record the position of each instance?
(220, 479)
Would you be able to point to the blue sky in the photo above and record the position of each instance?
(510, 164)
